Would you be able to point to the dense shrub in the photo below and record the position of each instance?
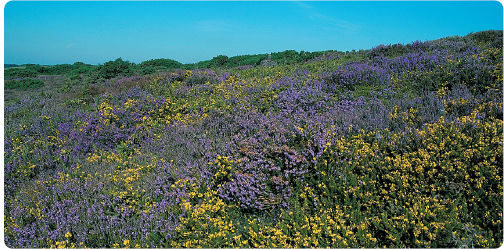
(147, 70)
(219, 60)
(402, 148)
(492, 37)
(24, 84)
(13, 73)
(57, 69)
(283, 58)
(116, 68)
(391, 50)
(246, 60)
(160, 64)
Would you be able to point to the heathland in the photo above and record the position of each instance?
(395, 146)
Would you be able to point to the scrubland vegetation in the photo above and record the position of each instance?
(397, 146)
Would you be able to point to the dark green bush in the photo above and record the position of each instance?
(13, 73)
(160, 64)
(34, 67)
(94, 78)
(147, 70)
(283, 58)
(24, 84)
(219, 60)
(391, 50)
(246, 60)
(490, 37)
(116, 68)
(57, 69)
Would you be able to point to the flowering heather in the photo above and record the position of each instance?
(397, 146)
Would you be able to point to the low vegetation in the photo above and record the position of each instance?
(397, 146)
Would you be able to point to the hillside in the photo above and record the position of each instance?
(396, 146)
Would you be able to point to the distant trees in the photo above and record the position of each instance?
(161, 64)
(116, 68)
(283, 58)
(242, 60)
(23, 84)
(120, 67)
(16, 73)
(219, 60)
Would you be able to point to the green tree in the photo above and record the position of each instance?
(219, 60)
(116, 68)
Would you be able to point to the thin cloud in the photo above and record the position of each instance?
(70, 45)
(330, 23)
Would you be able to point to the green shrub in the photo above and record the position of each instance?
(13, 73)
(67, 86)
(94, 78)
(246, 60)
(56, 69)
(24, 84)
(116, 68)
(219, 60)
(490, 37)
(147, 70)
(160, 64)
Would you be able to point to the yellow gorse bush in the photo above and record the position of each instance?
(363, 191)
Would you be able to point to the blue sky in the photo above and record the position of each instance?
(96, 32)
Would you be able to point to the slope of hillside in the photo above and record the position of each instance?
(397, 146)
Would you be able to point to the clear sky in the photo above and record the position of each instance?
(96, 32)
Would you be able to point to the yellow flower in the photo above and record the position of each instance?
(68, 235)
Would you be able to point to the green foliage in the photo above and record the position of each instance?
(491, 37)
(285, 57)
(403, 177)
(67, 86)
(24, 84)
(33, 70)
(151, 66)
(159, 64)
(116, 68)
(75, 77)
(391, 50)
(81, 68)
(147, 70)
(219, 60)
(305, 56)
(13, 73)
(201, 64)
(288, 57)
(242, 60)
(34, 67)
(57, 69)
(94, 77)
(367, 90)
